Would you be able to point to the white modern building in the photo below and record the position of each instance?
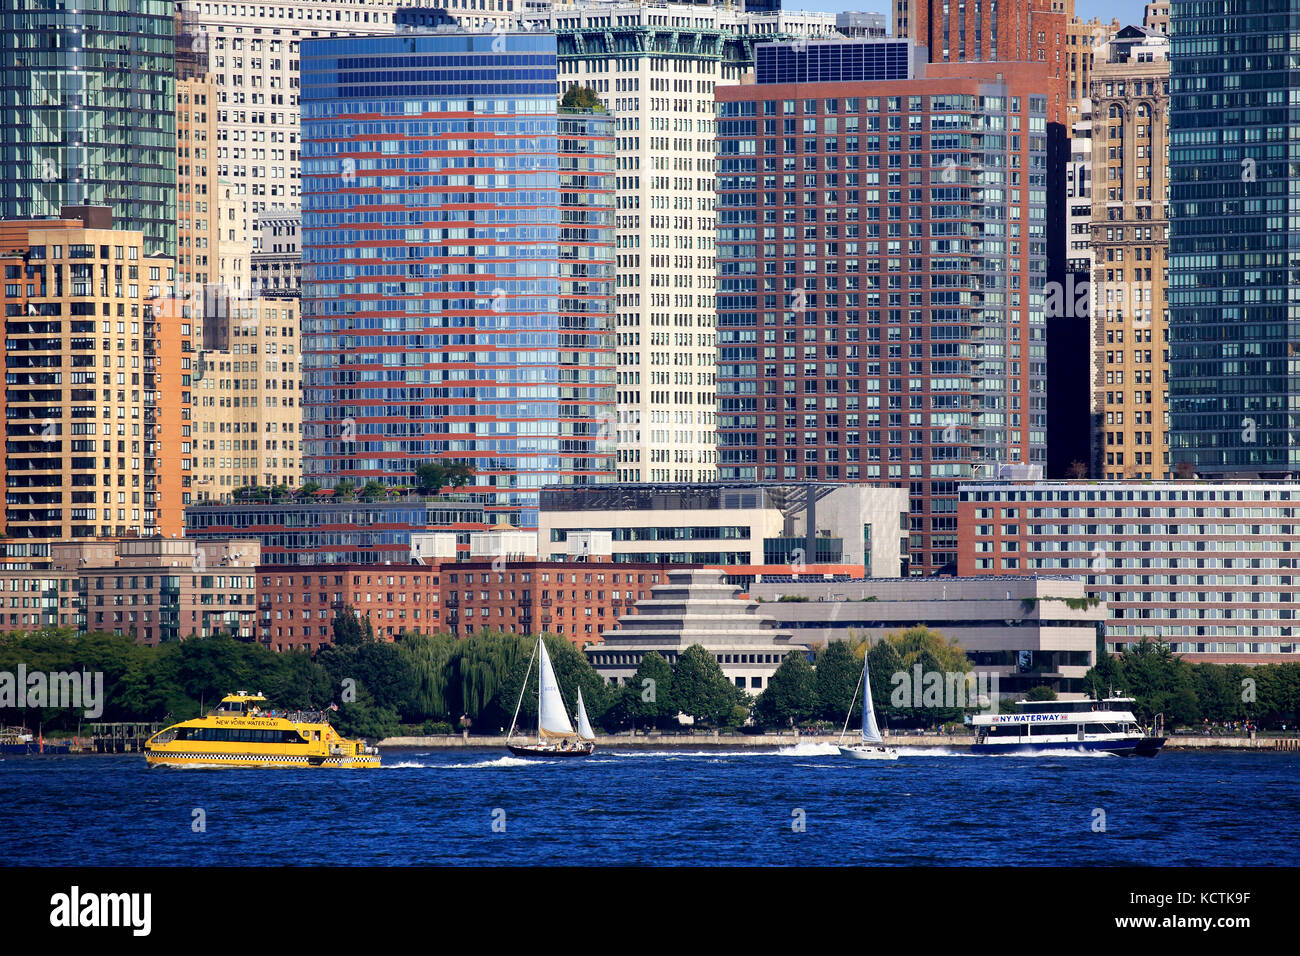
(654, 66)
(751, 530)
(1209, 567)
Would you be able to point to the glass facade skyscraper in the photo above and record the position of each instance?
(87, 93)
(1234, 245)
(457, 266)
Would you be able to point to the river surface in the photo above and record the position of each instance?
(793, 806)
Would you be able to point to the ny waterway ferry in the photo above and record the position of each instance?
(1105, 726)
(241, 732)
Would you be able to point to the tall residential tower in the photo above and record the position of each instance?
(87, 96)
(1234, 266)
(457, 266)
(882, 260)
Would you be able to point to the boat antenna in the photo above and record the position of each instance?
(522, 689)
(845, 730)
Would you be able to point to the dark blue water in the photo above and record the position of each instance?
(648, 808)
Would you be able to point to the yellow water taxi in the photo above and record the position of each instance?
(242, 732)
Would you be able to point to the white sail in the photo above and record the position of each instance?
(870, 732)
(552, 720)
(584, 725)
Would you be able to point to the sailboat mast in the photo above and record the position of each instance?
(853, 700)
(514, 720)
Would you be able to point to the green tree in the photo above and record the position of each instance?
(646, 700)
(378, 670)
(308, 488)
(1041, 692)
(945, 655)
(351, 629)
(430, 658)
(372, 491)
(700, 688)
(883, 662)
(345, 489)
(432, 476)
(791, 694)
(582, 98)
(838, 671)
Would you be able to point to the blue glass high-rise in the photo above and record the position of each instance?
(438, 232)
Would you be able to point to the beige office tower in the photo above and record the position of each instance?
(655, 68)
(247, 399)
(196, 167)
(97, 404)
(1130, 162)
(234, 242)
(1082, 40)
(903, 25)
(252, 53)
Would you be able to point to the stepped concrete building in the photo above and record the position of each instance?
(696, 607)
(1030, 631)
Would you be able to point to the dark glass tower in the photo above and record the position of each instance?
(1234, 247)
(457, 266)
(87, 92)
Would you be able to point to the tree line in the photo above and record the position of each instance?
(439, 683)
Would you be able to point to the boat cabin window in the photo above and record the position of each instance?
(1103, 728)
(1006, 730)
(1043, 730)
(239, 735)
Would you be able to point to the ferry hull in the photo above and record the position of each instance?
(1126, 747)
(179, 759)
(547, 753)
(33, 749)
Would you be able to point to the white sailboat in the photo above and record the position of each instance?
(872, 746)
(585, 732)
(555, 734)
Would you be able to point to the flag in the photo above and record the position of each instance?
(334, 706)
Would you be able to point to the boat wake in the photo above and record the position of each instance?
(1057, 753)
(507, 761)
(809, 750)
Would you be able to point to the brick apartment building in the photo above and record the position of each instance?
(1208, 567)
(577, 599)
(883, 246)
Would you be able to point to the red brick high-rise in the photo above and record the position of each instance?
(882, 251)
(1005, 31)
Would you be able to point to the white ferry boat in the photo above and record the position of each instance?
(1105, 725)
